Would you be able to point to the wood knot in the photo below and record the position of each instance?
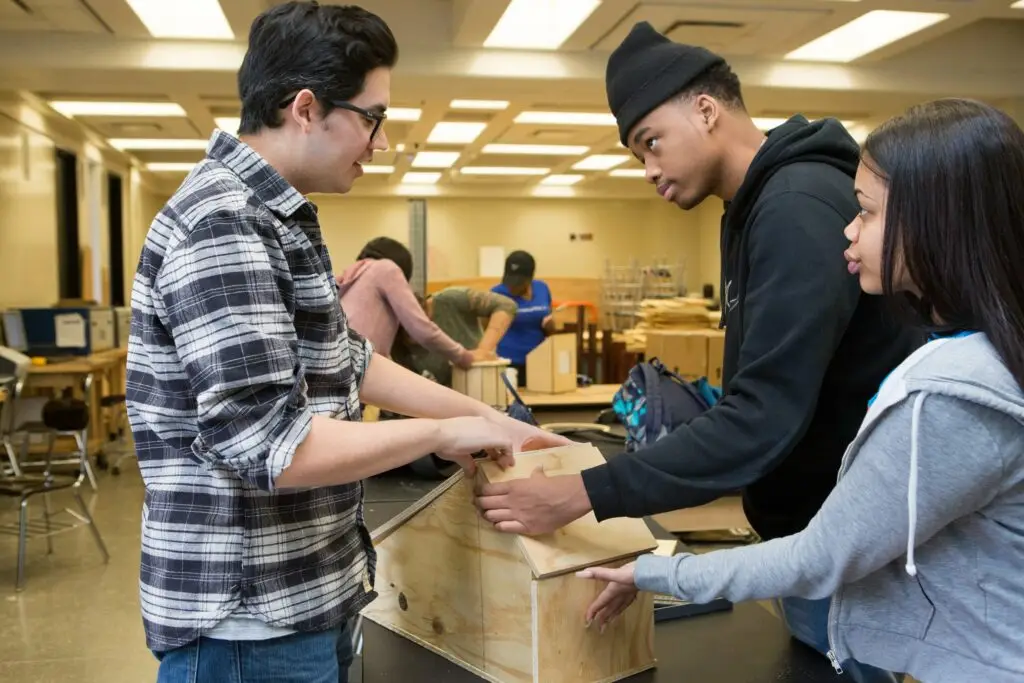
(402, 602)
(438, 626)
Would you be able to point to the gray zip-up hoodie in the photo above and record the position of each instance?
(936, 472)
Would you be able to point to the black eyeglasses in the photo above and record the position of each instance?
(377, 118)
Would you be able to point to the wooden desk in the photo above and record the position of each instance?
(91, 377)
(599, 395)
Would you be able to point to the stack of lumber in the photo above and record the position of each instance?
(673, 314)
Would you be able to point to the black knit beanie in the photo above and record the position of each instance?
(646, 70)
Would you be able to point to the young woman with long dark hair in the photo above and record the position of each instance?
(921, 543)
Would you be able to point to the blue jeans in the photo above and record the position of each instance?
(322, 657)
(807, 621)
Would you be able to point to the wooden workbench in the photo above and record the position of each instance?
(596, 395)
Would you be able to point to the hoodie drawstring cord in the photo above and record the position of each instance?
(912, 483)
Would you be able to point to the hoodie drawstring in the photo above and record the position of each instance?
(912, 483)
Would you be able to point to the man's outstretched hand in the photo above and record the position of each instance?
(537, 505)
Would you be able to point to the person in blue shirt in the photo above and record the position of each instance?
(533, 321)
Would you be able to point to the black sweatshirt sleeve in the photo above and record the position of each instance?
(799, 300)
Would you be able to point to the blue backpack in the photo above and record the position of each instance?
(653, 401)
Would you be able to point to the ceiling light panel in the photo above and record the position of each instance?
(378, 169)
(404, 114)
(600, 162)
(155, 143)
(865, 34)
(565, 118)
(203, 19)
(504, 170)
(629, 173)
(539, 24)
(455, 132)
(562, 179)
(768, 123)
(435, 159)
(72, 108)
(421, 178)
(1017, 5)
(537, 150)
(228, 124)
(482, 105)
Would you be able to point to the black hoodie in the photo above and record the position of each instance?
(805, 350)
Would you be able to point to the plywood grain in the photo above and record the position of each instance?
(428, 577)
(569, 651)
(582, 543)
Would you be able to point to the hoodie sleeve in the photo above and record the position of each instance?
(410, 314)
(875, 509)
(799, 300)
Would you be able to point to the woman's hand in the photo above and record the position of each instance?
(618, 595)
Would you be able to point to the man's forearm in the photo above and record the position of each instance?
(340, 452)
(389, 386)
(496, 328)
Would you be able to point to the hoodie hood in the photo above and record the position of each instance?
(351, 274)
(825, 141)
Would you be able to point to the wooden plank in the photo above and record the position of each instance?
(566, 650)
(428, 577)
(582, 543)
(724, 513)
(507, 615)
(594, 395)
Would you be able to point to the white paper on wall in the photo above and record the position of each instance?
(492, 261)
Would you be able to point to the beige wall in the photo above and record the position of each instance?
(28, 206)
(623, 230)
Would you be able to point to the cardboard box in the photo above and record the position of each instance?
(551, 367)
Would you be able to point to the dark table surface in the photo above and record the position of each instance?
(745, 645)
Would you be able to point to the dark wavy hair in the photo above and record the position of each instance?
(328, 49)
(954, 221)
(391, 250)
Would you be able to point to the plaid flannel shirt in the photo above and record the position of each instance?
(237, 340)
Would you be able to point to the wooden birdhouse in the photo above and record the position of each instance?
(509, 608)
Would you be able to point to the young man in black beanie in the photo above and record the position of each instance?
(804, 349)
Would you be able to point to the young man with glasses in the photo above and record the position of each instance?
(245, 382)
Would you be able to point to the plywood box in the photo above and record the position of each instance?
(510, 608)
(551, 367)
(483, 382)
(689, 353)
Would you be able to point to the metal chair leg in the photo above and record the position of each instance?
(46, 516)
(11, 457)
(92, 524)
(19, 581)
(81, 441)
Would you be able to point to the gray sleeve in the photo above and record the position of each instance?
(863, 525)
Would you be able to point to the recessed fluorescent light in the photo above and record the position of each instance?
(1017, 5)
(456, 132)
(378, 169)
(155, 143)
(486, 105)
(419, 178)
(68, 108)
(565, 118)
(562, 179)
(170, 167)
(520, 26)
(228, 124)
(600, 162)
(503, 170)
(435, 159)
(183, 18)
(400, 147)
(553, 150)
(403, 114)
(629, 173)
(865, 34)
